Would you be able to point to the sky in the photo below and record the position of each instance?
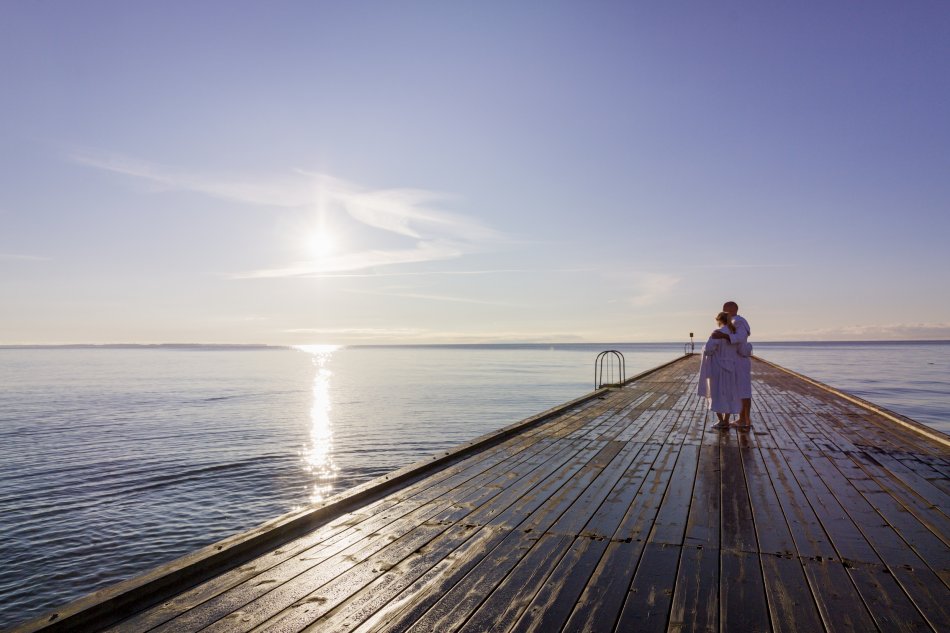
(468, 172)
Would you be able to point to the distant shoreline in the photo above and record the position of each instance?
(264, 347)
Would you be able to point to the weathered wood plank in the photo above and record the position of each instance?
(791, 605)
(742, 601)
(670, 523)
(696, 592)
(647, 605)
(888, 604)
(553, 603)
(511, 598)
(535, 512)
(702, 525)
(600, 604)
(738, 528)
(839, 602)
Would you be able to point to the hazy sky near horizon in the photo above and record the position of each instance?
(432, 172)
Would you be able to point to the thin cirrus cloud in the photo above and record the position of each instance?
(651, 288)
(460, 273)
(407, 214)
(23, 258)
(892, 331)
(433, 297)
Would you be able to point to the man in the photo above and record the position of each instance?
(744, 366)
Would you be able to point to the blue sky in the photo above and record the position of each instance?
(431, 172)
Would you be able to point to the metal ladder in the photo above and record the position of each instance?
(615, 362)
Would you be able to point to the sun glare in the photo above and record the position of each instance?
(321, 244)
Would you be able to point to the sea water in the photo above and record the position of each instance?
(113, 461)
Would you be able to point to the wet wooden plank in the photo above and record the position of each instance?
(738, 528)
(791, 604)
(838, 601)
(600, 604)
(847, 539)
(452, 610)
(772, 532)
(554, 602)
(895, 548)
(648, 603)
(638, 495)
(888, 604)
(670, 523)
(605, 521)
(514, 595)
(459, 541)
(742, 601)
(919, 484)
(702, 525)
(696, 591)
(905, 497)
(535, 513)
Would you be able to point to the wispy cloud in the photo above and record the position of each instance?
(424, 251)
(286, 191)
(651, 288)
(753, 265)
(890, 331)
(23, 258)
(356, 336)
(433, 297)
(406, 214)
(430, 273)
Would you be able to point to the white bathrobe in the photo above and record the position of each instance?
(718, 375)
(744, 363)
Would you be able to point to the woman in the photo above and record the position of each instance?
(718, 381)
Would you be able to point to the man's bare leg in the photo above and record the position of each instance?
(745, 416)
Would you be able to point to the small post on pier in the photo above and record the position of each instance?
(692, 345)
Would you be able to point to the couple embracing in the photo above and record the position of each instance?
(725, 374)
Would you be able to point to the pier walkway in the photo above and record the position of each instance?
(621, 511)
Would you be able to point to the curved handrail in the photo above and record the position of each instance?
(607, 356)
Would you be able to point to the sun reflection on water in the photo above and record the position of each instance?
(318, 454)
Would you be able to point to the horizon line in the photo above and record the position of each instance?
(483, 344)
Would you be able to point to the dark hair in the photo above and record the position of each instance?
(733, 304)
(723, 317)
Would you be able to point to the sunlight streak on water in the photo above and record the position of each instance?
(318, 455)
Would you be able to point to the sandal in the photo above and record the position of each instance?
(721, 426)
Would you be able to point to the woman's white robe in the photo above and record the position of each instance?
(718, 376)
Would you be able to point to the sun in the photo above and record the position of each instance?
(321, 244)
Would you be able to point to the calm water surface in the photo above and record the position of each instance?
(113, 461)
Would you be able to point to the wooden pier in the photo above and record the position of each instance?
(620, 511)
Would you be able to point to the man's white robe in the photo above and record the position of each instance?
(744, 363)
